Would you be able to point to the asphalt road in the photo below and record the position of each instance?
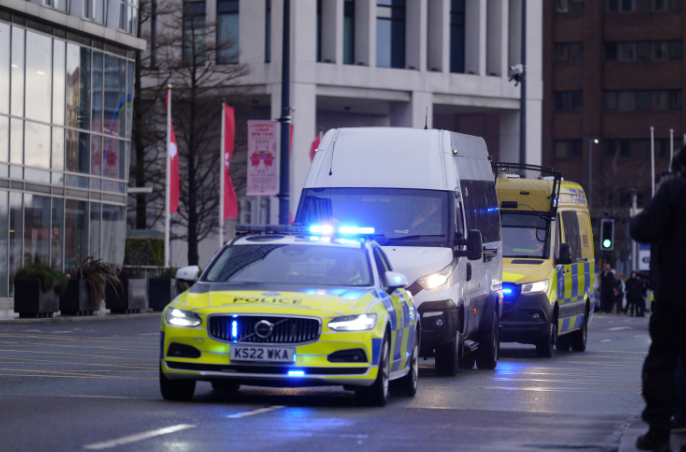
(93, 386)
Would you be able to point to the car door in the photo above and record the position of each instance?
(400, 314)
(570, 277)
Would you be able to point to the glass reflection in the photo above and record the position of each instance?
(16, 141)
(114, 163)
(58, 82)
(115, 95)
(4, 139)
(4, 69)
(38, 76)
(16, 234)
(95, 248)
(36, 175)
(75, 233)
(96, 122)
(36, 229)
(17, 71)
(129, 98)
(96, 155)
(58, 148)
(4, 248)
(37, 148)
(78, 86)
(78, 152)
(113, 233)
(56, 233)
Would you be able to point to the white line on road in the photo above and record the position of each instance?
(138, 437)
(254, 412)
(606, 340)
(617, 328)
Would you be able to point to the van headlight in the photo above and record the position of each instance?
(362, 322)
(181, 317)
(437, 279)
(535, 287)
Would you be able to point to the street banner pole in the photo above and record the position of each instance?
(167, 214)
(285, 120)
(522, 100)
(652, 159)
(221, 179)
(671, 149)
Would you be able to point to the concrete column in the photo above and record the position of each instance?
(475, 37)
(330, 30)
(365, 32)
(534, 87)
(304, 32)
(338, 44)
(504, 38)
(438, 35)
(413, 113)
(252, 31)
(415, 36)
(515, 32)
(304, 100)
(494, 37)
(509, 136)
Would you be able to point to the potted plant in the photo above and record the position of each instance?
(86, 287)
(162, 289)
(37, 288)
(131, 295)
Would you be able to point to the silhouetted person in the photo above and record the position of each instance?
(607, 289)
(634, 294)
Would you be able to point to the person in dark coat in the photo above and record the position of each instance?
(607, 289)
(634, 294)
(661, 223)
(619, 292)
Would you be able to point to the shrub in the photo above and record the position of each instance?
(97, 274)
(50, 278)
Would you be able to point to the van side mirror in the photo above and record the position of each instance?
(474, 243)
(395, 280)
(565, 257)
(188, 274)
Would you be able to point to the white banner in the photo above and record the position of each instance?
(262, 162)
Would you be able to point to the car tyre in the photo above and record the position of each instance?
(448, 357)
(407, 385)
(545, 347)
(467, 362)
(225, 386)
(377, 393)
(176, 390)
(578, 338)
(489, 349)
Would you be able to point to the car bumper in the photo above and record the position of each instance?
(525, 318)
(440, 322)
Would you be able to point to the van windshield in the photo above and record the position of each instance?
(525, 235)
(399, 216)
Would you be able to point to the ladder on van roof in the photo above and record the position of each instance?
(527, 188)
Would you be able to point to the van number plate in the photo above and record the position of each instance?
(263, 354)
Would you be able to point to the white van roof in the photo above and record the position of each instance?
(397, 157)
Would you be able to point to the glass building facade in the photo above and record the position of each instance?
(65, 128)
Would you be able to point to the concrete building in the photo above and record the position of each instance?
(66, 70)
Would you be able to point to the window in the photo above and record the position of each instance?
(572, 52)
(568, 149)
(675, 102)
(381, 265)
(643, 100)
(643, 6)
(609, 148)
(38, 76)
(611, 51)
(659, 100)
(268, 33)
(457, 36)
(390, 33)
(227, 31)
(481, 208)
(570, 223)
(128, 16)
(660, 51)
(626, 100)
(610, 100)
(57, 4)
(194, 32)
(349, 32)
(75, 233)
(627, 51)
(319, 30)
(568, 101)
(675, 50)
(569, 6)
(643, 51)
(525, 235)
(94, 10)
(153, 33)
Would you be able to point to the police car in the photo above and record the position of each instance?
(289, 306)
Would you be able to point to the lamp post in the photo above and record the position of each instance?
(285, 119)
(522, 101)
(590, 170)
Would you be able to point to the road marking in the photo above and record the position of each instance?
(138, 437)
(606, 340)
(617, 328)
(254, 412)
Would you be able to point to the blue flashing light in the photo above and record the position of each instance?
(327, 229)
(234, 329)
(510, 292)
(507, 291)
(296, 373)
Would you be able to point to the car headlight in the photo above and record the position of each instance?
(360, 322)
(436, 279)
(181, 317)
(535, 287)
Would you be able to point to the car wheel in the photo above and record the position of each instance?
(225, 386)
(487, 355)
(377, 393)
(177, 390)
(578, 338)
(545, 347)
(408, 384)
(448, 358)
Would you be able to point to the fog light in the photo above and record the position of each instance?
(536, 316)
(438, 323)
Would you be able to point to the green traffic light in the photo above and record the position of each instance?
(607, 243)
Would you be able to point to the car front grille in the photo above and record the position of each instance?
(285, 330)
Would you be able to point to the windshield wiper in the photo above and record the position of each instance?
(415, 236)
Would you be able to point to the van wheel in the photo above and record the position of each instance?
(467, 361)
(225, 386)
(448, 357)
(377, 393)
(545, 347)
(407, 385)
(177, 390)
(487, 355)
(578, 338)
(563, 344)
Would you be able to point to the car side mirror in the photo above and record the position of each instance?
(188, 274)
(395, 280)
(565, 257)
(474, 243)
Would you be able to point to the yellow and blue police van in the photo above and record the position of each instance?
(548, 261)
(289, 307)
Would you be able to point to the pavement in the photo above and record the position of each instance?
(94, 386)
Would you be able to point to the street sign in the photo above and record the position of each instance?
(262, 163)
(643, 257)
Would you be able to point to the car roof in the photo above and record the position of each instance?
(293, 239)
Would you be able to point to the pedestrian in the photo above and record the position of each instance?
(634, 294)
(619, 292)
(607, 287)
(661, 224)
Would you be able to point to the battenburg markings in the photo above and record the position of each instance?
(376, 350)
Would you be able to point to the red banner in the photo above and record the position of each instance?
(172, 151)
(230, 199)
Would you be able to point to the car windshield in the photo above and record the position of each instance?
(291, 264)
(399, 216)
(524, 235)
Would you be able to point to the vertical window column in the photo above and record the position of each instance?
(390, 33)
(227, 31)
(349, 32)
(194, 28)
(457, 36)
(268, 33)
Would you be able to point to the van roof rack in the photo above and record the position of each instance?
(527, 188)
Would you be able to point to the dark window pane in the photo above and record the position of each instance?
(227, 31)
(561, 101)
(577, 6)
(625, 148)
(268, 33)
(643, 100)
(75, 233)
(660, 51)
(676, 5)
(115, 96)
(675, 50)
(576, 101)
(349, 32)
(627, 5)
(675, 102)
(562, 6)
(641, 149)
(78, 152)
(194, 28)
(627, 51)
(659, 100)
(561, 149)
(626, 100)
(611, 51)
(37, 229)
(659, 5)
(562, 52)
(612, 5)
(576, 149)
(609, 148)
(576, 52)
(96, 121)
(457, 36)
(644, 51)
(644, 6)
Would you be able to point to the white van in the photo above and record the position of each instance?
(430, 197)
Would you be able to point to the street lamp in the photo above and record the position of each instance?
(590, 170)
